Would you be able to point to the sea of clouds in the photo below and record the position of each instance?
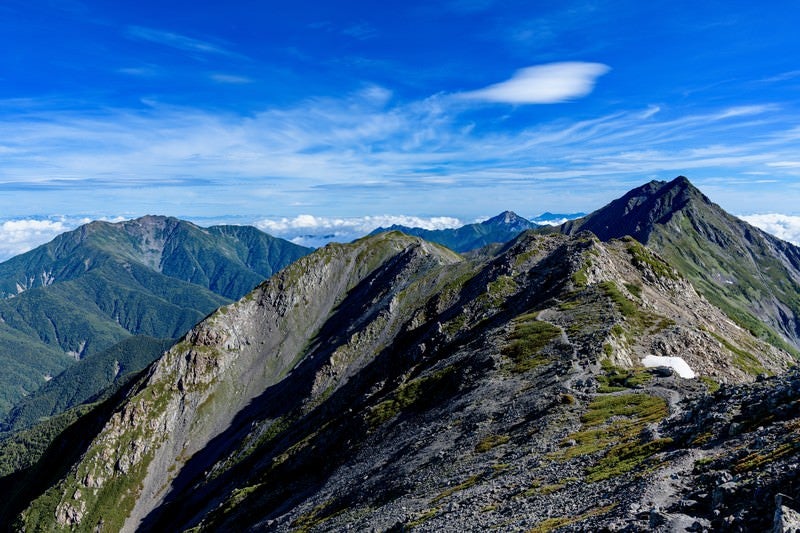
(786, 227)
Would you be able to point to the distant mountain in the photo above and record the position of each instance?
(391, 384)
(499, 229)
(555, 219)
(92, 287)
(753, 276)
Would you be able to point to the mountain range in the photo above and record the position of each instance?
(90, 288)
(591, 377)
(498, 229)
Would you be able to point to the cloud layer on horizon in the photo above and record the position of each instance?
(21, 235)
(315, 231)
(785, 227)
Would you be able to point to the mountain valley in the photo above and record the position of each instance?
(631, 370)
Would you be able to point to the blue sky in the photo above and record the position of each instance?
(254, 111)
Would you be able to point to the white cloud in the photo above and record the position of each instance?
(784, 164)
(543, 84)
(310, 230)
(786, 227)
(19, 236)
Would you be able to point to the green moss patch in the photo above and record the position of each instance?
(612, 425)
(491, 441)
(529, 337)
(618, 379)
(409, 394)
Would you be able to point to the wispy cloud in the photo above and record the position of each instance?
(543, 84)
(176, 40)
(781, 77)
(361, 30)
(143, 72)
(231, 78)
(381, 150)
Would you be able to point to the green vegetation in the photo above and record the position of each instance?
(641, 408)
(754, 282)
(551, 524)
(99, 373)
(642, 258)
(497, 292)
(617, 379)
(762, 457)
(491, 441)
(634, 289)
(612, 425)
(90, 288)
(744, 361)
(21, 449)
(529, 337)
(319, 514)
(711, 384)
(424, 517)
(414, 392)
(580, 277)
(458, 488)
(628, 308)
(638, 320)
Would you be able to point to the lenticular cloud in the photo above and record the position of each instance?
(543, 84)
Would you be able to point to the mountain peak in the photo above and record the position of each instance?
(724, 256)
(511, 220)
(506, 217)
(637, 212)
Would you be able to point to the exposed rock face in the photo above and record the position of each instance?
(391, 383)
(787, 520)
(753, 276)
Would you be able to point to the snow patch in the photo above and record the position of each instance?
(676, 363)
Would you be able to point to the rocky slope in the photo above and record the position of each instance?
(93, 287)
(753, 276)
(392, 384)
(498, 229)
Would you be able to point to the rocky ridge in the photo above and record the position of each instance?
(751, 275)
(392, 384)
